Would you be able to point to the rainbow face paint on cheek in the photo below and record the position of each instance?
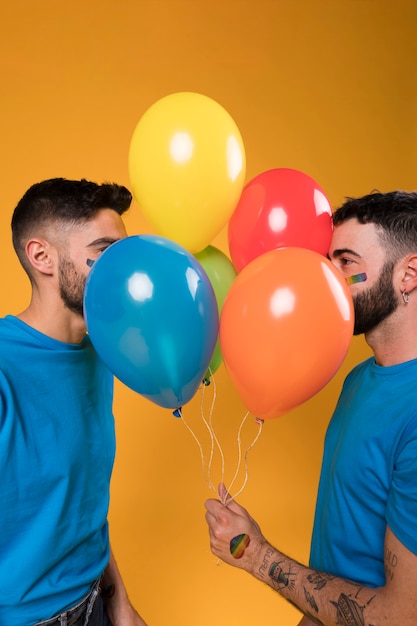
(356, 278)
(238, 545)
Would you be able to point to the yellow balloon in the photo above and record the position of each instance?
(187, 168)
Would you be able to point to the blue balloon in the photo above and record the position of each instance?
(152, 317)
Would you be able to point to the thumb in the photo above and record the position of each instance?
(224, 495)
(227, 499)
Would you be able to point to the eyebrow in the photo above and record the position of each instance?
(102, 241)
(341, 251)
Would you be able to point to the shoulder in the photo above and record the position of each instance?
(360, 370)
(7, 335)
(12, 333)
(9, 326)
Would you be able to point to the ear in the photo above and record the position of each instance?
(409, 273)
(40, 255)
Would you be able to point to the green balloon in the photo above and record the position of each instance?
(221, 274)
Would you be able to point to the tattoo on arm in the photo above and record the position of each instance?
(281, 578)
(319, 579)
(348, 611)
(310, 599)
(391, 561)
(265, 562)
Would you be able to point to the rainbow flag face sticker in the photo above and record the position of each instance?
(356, 278)
(238, 545)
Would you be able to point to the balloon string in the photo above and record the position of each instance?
(215, 441)
(200, 447)
(210, 432)
(213, 438)
(248, 449)
(239, 451)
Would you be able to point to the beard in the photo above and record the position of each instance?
(376, 304)
(71, 286)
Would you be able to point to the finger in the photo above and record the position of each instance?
(222, 491)
(229, 503)
(211, 521)
(214, 506)
(227, 499)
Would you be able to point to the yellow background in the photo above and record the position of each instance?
(324, 86)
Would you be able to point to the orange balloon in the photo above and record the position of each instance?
(285, 329)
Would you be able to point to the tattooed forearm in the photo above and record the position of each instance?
(323, 598)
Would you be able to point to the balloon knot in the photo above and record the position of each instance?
(177, 412)
(259, 421)
(206, 382)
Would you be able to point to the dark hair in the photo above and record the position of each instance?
(65, 201)
(394, 213)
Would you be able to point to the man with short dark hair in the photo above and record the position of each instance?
(56, 425)
(363, 561)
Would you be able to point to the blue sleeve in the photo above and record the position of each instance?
(2, 398)
(402, 499)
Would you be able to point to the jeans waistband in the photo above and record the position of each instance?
(77, 615)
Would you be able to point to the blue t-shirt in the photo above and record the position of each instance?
(369, 473)
(57, 449)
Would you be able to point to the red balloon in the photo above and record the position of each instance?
(285, 329)
(279, 208)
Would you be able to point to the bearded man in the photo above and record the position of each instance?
(363, 560)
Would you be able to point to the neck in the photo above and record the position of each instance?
(394, 341)
(54, 320)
